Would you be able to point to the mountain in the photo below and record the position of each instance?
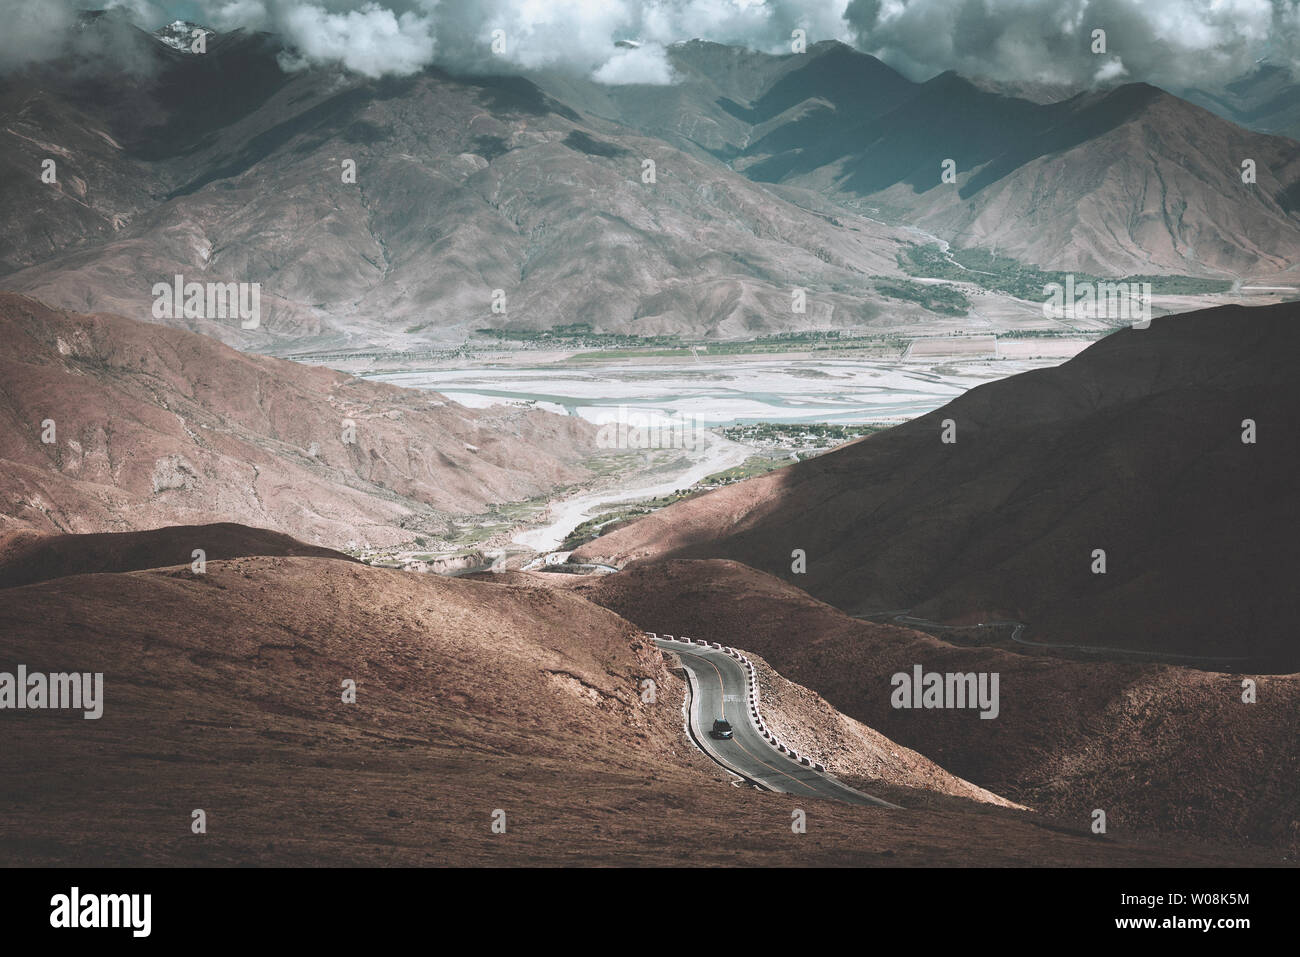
(815, 171)
(725, 97)
(474, 703)
(151, 426)
(1124, 181)
(1267, 99)
(1120, 182)
(1134, 447)
(1161, 748)
(181, 35)
(223, 168)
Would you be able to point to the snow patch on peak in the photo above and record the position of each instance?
(179, 34)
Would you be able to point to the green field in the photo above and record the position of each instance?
(942, 300)
(1004, 274)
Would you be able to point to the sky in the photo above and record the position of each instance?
(1175, 44)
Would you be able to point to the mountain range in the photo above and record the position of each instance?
(818, 171)
(1170, 450)
(1267, 99)
(1125, 180)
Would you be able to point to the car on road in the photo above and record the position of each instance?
(721, 728)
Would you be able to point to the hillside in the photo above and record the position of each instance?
(154, 426)
(817, 171)
(27, 557)
(1133, 447)
(224, 692)
(1160, 748)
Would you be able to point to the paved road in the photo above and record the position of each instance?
(720, 690)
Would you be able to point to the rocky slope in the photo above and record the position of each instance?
(152, 426)
(474, 703)
(1159, 748)
(771, 174)
(1133, 448)
(1128, 180)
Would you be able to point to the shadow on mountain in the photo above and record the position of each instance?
(1134, 448)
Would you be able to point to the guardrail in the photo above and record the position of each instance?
(755, 718)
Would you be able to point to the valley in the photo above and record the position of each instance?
(630, 446)
(717, 392)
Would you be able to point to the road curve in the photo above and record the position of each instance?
(720, 689)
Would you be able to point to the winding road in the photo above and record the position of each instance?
(720, 689)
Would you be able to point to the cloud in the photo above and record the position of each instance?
(1109, 72)
(372, 40)
(33, 31)
(573, 35)
(234, 14)
(1173, 43)
(647, 64)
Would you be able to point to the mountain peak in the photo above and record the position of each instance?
(180, 34)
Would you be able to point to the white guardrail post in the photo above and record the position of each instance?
(755, 718)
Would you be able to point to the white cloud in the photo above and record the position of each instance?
(647, 64)
(1109, 72)
(1174, 43)
(372, 40)
(32, 31)
(233, 14)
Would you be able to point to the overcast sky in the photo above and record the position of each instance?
(1172, 43)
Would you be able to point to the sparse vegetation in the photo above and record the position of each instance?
(754, 465)
(1004, 274)
(811, 435)
(578, 335)
(943, 300)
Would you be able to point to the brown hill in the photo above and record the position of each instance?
(224, 692)
(27, 557)
(154, 426)
(1158, 748)
(1133, 447)
(1123, 182)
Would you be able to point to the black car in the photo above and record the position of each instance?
(721, 728)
